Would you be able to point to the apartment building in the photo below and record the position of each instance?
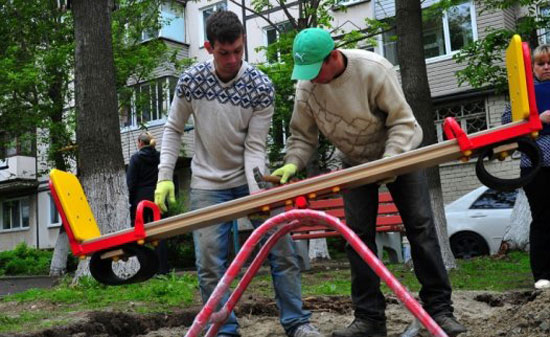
(27, 210)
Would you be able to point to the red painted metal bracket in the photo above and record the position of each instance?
(529, 128)
(106, 241)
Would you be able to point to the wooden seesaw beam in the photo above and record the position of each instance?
(324, 184)
(85, 237)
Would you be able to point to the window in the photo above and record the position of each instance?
(389, 46)
(272, 35)
(172, 24)
(22, 145)
(55, 219)
(471, 115)
(348, 2)
(545, 33)
(150, 102)
(442, 35)
(15, 214)
(492, 199)
(206, 12)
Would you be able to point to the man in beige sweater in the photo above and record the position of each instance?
(354, 98)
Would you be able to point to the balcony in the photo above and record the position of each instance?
(17, 173)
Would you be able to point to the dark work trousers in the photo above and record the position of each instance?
(410, 195)
(537, 192)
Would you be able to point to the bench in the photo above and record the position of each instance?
(389, 225)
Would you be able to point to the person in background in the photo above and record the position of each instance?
(141, 178)
(537, 190)
(232, 104)
(354, 98)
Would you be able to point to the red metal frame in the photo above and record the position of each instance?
(92, 246)
(533, 124)
(284, 223)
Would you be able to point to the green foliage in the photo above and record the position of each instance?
(37, 63)
(25, 260)
(484, 57)
(164, 292)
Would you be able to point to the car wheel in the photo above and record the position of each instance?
(465, 245)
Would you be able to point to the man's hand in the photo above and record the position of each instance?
(285, 172)
(387, 180)
(165, 188)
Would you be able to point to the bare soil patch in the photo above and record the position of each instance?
(517, 313)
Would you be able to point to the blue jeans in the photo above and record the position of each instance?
(212, 249)
(411, 196)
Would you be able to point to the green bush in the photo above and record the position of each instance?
(25, 260)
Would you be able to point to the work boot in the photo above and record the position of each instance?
(363, 328)
(305, 330)
(450, 325)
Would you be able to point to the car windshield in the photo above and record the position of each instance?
(493, 199)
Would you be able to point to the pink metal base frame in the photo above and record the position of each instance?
(282, 224)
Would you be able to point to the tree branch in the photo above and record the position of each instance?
(258, 14)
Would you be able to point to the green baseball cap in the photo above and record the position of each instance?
(311, 46)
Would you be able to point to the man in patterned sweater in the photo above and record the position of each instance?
(354, 98)
(232, 104)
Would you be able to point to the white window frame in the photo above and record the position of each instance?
(266, 29)
(349, 2)
(202, 23)
(163, 15)
(15, 229)
(446, 37)
(544, 32)
(52, 203)
(167, 100)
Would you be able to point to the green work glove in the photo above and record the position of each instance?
(285, 172)
(165, 188)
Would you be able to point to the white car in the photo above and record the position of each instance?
(476, 221)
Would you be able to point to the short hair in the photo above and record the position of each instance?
(224, 27)
(543, 49)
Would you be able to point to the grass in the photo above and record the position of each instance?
(166, 293)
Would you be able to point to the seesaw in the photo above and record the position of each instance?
(86, 239)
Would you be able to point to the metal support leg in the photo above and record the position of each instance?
(286, 222)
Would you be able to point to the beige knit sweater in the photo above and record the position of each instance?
(363, 113)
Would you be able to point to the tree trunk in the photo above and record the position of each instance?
(100, 161)
(58, 265)
(57, 139)
(516, 235)
(414, 78)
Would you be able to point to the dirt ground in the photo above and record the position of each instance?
(519, 314)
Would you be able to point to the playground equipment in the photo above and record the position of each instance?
(105, 249)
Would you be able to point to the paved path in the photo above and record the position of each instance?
(15, 284)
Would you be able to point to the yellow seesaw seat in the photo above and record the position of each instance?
(517, 80)
(75, 205)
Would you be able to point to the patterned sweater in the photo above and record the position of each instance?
(363, 112)
(231, 119)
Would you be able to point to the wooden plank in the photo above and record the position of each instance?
(321, 185)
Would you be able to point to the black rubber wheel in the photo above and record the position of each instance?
(465, 245)
(526, 146)
(102, 269)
